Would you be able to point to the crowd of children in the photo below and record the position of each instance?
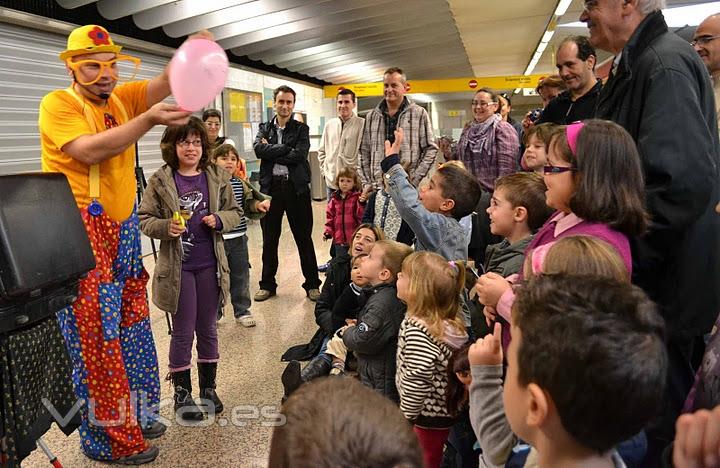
(570, 358)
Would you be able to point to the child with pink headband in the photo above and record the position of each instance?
(595, 184)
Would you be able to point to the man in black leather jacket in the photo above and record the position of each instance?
(282, 145)
(660, 92)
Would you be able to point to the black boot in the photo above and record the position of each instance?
(184, 403)
(207, 372)
(318, 367)
(291, 379)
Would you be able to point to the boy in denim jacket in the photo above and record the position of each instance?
(434, 213)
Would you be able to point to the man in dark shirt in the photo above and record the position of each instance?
(575, 63)
(282, 146)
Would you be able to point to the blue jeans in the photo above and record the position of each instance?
(323, 350)
(236, 251)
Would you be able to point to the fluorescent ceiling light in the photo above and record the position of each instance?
(562, 7)
(678, 17)
(547, 36)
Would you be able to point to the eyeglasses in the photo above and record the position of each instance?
(481, 104)
(702, 40)
(558, 169)
(185, 143)
(121, 68)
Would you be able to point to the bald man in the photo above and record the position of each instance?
(706, 42)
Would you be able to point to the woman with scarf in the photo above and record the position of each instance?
(488, 145)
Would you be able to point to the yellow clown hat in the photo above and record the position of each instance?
(88, 39)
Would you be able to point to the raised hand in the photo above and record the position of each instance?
(487, 351)
(394, 148)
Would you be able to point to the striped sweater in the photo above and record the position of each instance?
(421, 378)
(239, 192)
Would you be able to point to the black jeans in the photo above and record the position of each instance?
(300, 217)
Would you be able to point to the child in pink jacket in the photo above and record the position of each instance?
(344, 211)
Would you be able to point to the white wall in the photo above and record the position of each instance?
(309, 99)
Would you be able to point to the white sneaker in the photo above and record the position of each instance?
(246, 321)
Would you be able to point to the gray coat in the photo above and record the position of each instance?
(159, 202)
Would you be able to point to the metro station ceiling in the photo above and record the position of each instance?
(351, 41)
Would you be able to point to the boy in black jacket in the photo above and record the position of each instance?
(374, 338)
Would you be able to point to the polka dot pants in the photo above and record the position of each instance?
(107, 332)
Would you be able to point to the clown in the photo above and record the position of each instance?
(88, 132)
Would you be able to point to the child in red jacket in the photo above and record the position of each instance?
(344, 211)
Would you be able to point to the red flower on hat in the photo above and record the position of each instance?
(99, 36)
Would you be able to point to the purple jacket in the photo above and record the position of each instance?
(560, 225)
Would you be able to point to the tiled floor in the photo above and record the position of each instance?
(248, 374)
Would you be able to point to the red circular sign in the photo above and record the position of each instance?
(472, 84)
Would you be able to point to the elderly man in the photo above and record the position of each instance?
(661, 94)
(88, 132)
(706, 42)
(393, 112)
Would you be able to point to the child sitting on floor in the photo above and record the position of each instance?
(345, 313)
(374, 338)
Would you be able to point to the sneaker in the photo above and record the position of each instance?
(337, 369)
(324, 267)
(146, 456)
(263, 295)
(246, 320)
(313, 294)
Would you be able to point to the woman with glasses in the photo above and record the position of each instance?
(488, 145)
(188, 204)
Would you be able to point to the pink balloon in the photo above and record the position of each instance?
(198, 72)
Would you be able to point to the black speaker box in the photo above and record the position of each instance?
(44, 248)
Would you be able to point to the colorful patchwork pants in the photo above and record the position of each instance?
(108, 335)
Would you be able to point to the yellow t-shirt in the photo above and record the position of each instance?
(62, 120)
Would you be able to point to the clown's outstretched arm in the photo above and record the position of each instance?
(96, 148)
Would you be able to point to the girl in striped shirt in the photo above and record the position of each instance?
(430, 332)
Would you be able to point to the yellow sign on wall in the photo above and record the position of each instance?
(238, 107)
(452, 85)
